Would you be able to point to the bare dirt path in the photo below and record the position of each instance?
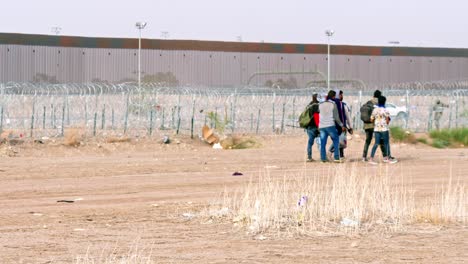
(130, 196)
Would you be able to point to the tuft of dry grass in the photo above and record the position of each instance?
(134, 255)
(73, 137)
(343, 201)
(117, 139)
(240, 142)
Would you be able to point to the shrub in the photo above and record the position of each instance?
(449, 137)
(422, 140)
(400, 135)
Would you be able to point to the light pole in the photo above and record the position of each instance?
(56, 30)
(329, 33)
(140, 26)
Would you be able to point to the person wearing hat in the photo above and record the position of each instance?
(438, 111)
(312, 129)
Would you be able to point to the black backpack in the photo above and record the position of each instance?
(366, 111)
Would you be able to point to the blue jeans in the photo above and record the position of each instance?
(312, 133)
(333, 133)
(384, 136)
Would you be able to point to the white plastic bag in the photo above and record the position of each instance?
(343, 140)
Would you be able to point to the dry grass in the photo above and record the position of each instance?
(73, 137)
(134, 255)
(344, 201)
(117, 139)
(240, 142)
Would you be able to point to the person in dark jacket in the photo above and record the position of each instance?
(312, 128)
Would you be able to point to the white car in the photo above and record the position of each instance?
(397, 112)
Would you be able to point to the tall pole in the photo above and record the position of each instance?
(139, 58)
(329, 33)
(139, 26)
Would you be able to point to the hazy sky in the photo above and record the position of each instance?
(432, 23)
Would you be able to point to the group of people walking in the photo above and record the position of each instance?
(330, 117)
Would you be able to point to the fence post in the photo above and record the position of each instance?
(358, 113)
(44, 117)
(1, 119)
(294, 112)
(450, 116)
(251, 122)
(407, 109)
(215, 118)
(63, 120)
(94, 123)
(456, 111)
(162, 119)
(151, 123)
(52, 117)
(258, 120)
(173, 109)
(126, 113)
(86, 112)
(32, 118)
(178, 120)
(112, 121)
(103, 118)
(273, 108)
(192, 119)
(282, 118)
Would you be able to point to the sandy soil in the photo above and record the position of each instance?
(130, 197)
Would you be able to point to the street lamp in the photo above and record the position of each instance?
(56, 30)
(329, 34)
(139, 26)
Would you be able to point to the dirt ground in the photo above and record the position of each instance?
(130, 197)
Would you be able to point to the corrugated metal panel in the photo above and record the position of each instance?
(24, 63)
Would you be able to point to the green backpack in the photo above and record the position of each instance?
(305, 118)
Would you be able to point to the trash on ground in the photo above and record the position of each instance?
(78, 229)
(260, 237)
(65, 201)
(217, 146)
(302, 201)
(78, 199)
(188, 215)
(237, 174)
(209, 136)
(166, 140)
(349, 222)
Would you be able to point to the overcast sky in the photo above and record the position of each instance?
(427, 23)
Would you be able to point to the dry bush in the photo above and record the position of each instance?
(448, 206)
(134, 255)
(344, 201)
(240, 142)
(73, 137)
(117, 139)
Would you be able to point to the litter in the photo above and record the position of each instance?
(260, 237)
(65, 201)
(237, 174)
(188, 215)
(349, 222)
(217, 146)
(166, 140)
(302, 201)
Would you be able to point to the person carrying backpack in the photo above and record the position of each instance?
(366, 113)
(312, 128)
